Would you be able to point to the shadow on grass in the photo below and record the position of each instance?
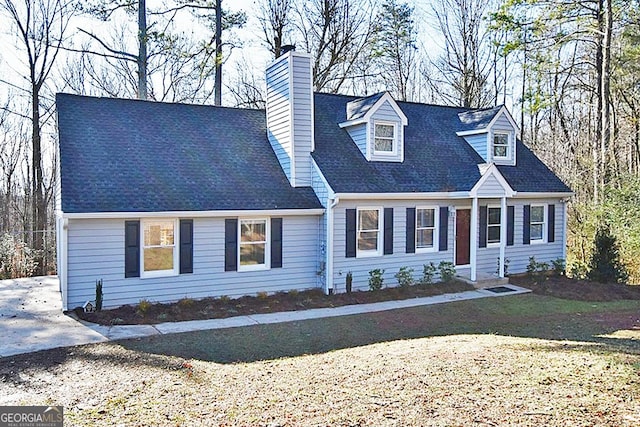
(529, 316)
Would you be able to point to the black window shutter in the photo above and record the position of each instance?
(230, 244)
(526, 224)
(444, 228)
(411, 230)
(510, 225)
(132, 249)
(186, 246)
(350, 251)
(483, 227)
(388, 231)
(276, 242)
(551, 219)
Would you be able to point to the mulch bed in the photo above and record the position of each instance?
(217, 308)
(575, 289)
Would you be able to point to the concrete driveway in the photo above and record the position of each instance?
(31, 318)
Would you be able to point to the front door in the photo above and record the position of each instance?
(463, 233)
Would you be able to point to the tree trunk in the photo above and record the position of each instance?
(142, 51)
(218, 82)
(606, 92)
(38, 209)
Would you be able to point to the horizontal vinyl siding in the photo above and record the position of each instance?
(360, 267)
(502, 123)
(322, 193)
(479, 143)
(386, 113)
(491, 187)
(96, 251)
(278, 114)
(518, 254)
(358, 134)
(302, 118)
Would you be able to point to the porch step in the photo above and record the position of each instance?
(483, 280)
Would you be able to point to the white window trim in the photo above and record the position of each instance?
(509, 144)
(176, 244)
(267, 246)
(378, 251)
(436, 230)
(494, 244)
(395, 143)
(544, 224)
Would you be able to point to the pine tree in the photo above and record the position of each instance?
(605, 265)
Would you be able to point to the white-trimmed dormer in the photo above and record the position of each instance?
(376, 125)
(492, 133)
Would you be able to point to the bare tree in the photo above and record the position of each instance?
(40, 27)
(465, 66)
(335, 32)
(170, 64)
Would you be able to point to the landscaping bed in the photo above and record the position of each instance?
(216, 308)
(575, 289)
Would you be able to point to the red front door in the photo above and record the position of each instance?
(463, 233)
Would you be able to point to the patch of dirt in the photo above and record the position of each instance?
(574, 289)
(217, 308)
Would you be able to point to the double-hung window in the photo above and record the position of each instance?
(159, 248)
(253, 244)
(384, 138)
(426, 229)
(493, 225)
(500, 145)
(537, 223)
(368, 238)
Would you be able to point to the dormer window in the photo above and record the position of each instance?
(384, 138)
(500, 145)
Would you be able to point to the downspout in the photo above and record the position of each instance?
(474, 238)
(564, 230)
(329, 270)
(503, 234)
(63, 228)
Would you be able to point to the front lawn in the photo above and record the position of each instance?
(519, 360)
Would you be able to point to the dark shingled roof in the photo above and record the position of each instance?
(435, 160)
(138, 156)
(359, 107)
(477, 119)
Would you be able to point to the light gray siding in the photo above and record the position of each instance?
(491, 187)
(322, 192)
(290, 115)
(358, 134)
(502, 123)
(479, 143)
(279, 113)
(302, 118)
(386, 113)
(518, 254)
(96, 251)
(360, 267)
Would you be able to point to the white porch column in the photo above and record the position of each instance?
(503, 234)
(473, 241)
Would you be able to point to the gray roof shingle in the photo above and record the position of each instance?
(477, 119)
(137, 156)
(436, 159)
(359, 107)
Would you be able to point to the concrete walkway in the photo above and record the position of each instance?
(31, 317)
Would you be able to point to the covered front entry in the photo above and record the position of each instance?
(463, 234)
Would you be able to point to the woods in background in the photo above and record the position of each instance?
(569, 71)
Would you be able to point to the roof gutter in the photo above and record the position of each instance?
(194, 214)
